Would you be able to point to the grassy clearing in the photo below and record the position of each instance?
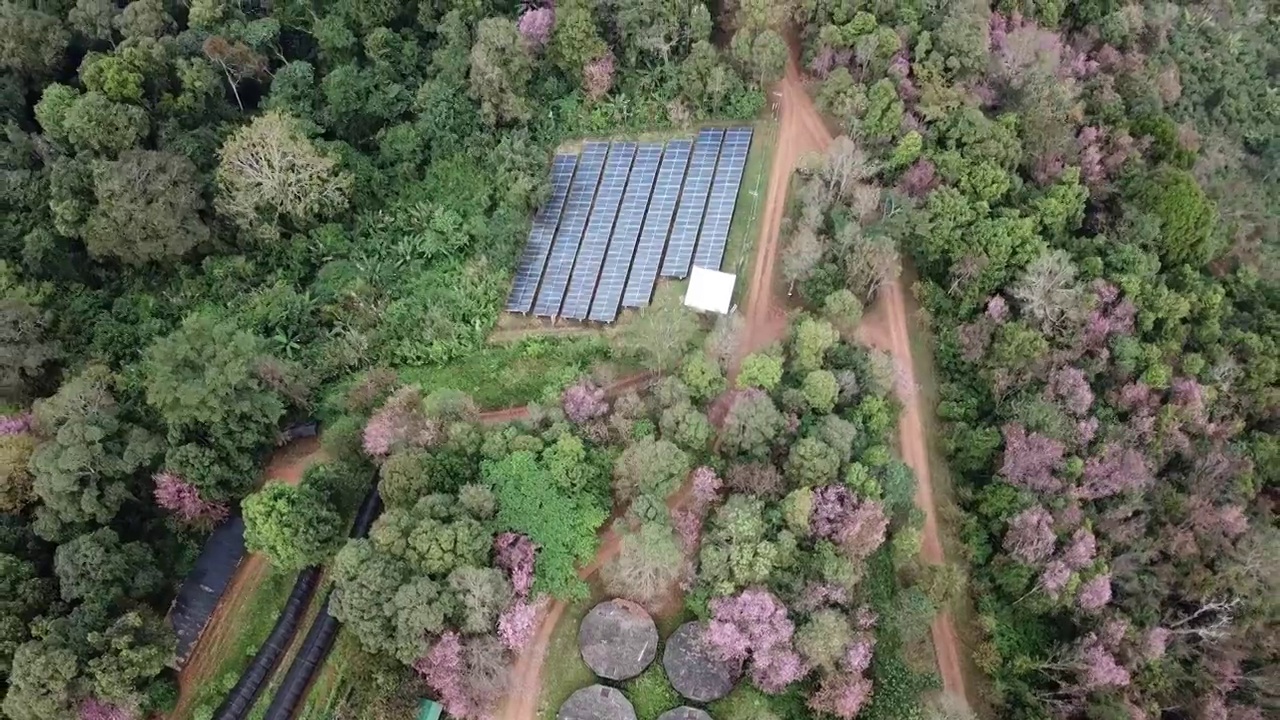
(744, 229)
(949, 513)
(563, 670)
(516, 374)
(264, 604)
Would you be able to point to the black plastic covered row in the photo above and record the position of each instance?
(242, 696)
(319, 640)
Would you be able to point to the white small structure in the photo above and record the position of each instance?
(710, 290)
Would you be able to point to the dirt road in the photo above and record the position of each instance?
(802, 130)
(286, 465)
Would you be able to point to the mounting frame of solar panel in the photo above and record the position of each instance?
(626, 233)
(595, 242)
(657, 224)
(693, 203)
(724, 196)
(534, 258)
(572, 222)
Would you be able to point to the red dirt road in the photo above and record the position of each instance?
(802, 130)
(286, 465)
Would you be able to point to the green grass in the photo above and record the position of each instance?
(563, 671)
(499, 376)
(744, 229)
(266, 602)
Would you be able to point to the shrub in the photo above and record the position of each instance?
(651, 693)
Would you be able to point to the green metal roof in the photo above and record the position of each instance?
(429, 710)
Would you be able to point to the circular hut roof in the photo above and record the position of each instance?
(693, 672)
(685, 713)
(597, 702)
(618, 639)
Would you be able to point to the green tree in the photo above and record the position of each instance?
(751, 425)
(740, 548)
(292, 526)
(1185, 214)
(820, 391)
(649, 467)
(86, 453)
(812, 462)
(270, 176)
(686, 427)
(500, 72)
(32, 43)
(24, 348)
(843, 310)
(760, 370)
(702, 375)
(812, 340)
(134, 649)
(148, 208)
(562, 525)
(91, 122)
(823, 638)
(659, 335)
(23, 596)
(575, 41)
(98, 567)
(204, 379)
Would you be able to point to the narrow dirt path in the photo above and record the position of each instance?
(286, 465)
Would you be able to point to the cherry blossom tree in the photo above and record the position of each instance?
(1031, 459)
(753, 626)
(400, 421)
(1095, 592)
(94, 709)
(583, 401)
(518, 623)
(536, 25)
(1115, 470)
(183, 500)
(1080, 552)
(1030, 537)
(858, 526)
(15, 424)
(597, 76)
(515, 553)
(841, 695)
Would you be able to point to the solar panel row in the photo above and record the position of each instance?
(653, 237)
(693, 204)
(574, 220)
(644, 209)
(724, 195)
(586, 271)
(534, 258)
(626, 233)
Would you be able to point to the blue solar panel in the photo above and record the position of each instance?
(626, 233)
(565, 246)
(586, 271)
(724, 195)
(657, 222)
(534, 258)
(693, 204)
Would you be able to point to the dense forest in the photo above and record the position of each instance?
(1088, 192)
(213, 212)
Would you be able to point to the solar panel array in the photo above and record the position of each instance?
(534, 259)
(565, 246)
(582, 285)
(653, 238)
(626, 234)
(617, 215)
(724, 195)
(693, 203)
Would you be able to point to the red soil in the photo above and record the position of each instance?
(287, 466)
